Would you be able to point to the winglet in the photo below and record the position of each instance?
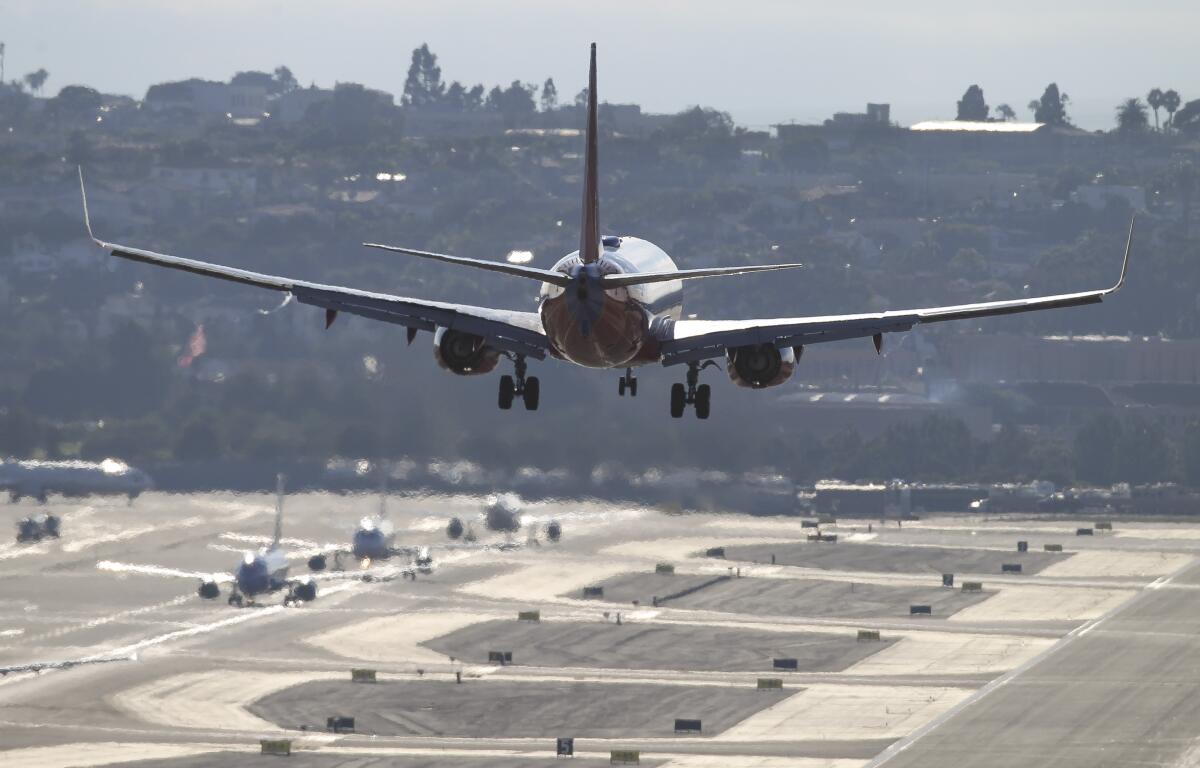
(87, 220)
(1125, 261)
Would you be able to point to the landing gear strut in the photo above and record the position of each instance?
(694, 393)
(511, 387)
(627, 383)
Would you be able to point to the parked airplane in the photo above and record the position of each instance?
(616, 303)
(501, 513)
(259, 573)
(71, 478)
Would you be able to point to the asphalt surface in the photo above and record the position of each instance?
(641, 646)
(1121, 692)
(790, 597)
(1089, 657)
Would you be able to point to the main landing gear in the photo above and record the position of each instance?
(699, 395)
(511, 387)
(627, 383)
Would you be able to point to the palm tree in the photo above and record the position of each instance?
(1006, 112)
(37, 79)
(1155, 100)
(1171, 102)
(1131, 116)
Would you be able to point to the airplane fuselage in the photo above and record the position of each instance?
(613, 328)
(262, 572)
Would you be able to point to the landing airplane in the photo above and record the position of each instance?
(615, 303)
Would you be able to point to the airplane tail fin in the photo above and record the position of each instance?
(278, 510)
(589, 235)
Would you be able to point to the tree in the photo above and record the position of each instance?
(456, 96)
(75, 102)
(581, 98)
(1155, 100)
(514, 102)
(284, 80)
(972, 106)
(35, 80)
(424, 86)
(698, 123)
(198, 442)
(255, 79)
(1184, 180)
(1132, 117)
(1187, 120)
(1052, 107)
(549, 95)
(1171, 103)
(1006, 112)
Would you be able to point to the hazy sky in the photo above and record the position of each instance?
(762, 60)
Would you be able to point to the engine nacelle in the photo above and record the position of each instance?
(305, 591)
(760, 365)
(209, 590)
(455, 528)
(463, 353)
(316, 563)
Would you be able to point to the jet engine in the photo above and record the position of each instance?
(304, 591)
(463, 353)
(554, 531)
(455, 528)
(760, 365)
(316, 563)
(209, 590)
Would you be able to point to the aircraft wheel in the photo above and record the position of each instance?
(633, 388)
(703, 400)
(678, 397)
(14, 496)
(532, 392)
(621, 386)
(236, 600)
(507, 391)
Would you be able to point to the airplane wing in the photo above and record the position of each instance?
(509, 331)
(692, 340)
(373, 573)
(158, 570)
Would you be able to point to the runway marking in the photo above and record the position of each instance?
(125, 534)
(912, 738)
(101, 621)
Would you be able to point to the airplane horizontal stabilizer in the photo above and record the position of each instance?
(642, 278)
(533, 273)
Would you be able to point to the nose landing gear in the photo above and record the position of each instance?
(627, 383)
(512, 387)
(699, 395)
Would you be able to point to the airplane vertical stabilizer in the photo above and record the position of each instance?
(278, 511)
(589, 237)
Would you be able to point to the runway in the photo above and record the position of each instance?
(1086, 657)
